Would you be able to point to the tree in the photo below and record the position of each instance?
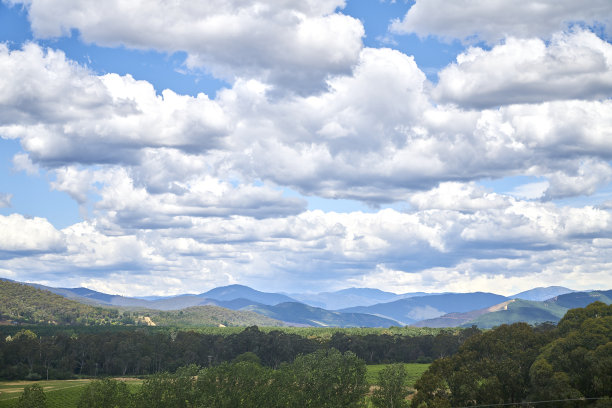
(392, 390)
(107, 393)
(325, 378)
(33, 396)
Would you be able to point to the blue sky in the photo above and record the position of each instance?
(306, 146)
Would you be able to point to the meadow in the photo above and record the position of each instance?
(60, 393)
(66, 393)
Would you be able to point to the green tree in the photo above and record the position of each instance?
(244, 384)
(33, 396)
(325, 378)
(106, 393)
(392, 390)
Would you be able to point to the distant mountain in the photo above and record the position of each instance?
(221, 294)
(211, 316)
(26, 304)
(352, 297)
(519, 310)
(459, 319)
(410, 310)
(232, 292)
(92, 297)
(542, 293)
(293, 312)
(581, 299)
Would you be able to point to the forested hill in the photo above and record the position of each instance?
(25, 304)
(22, 303)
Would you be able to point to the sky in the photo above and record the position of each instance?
(159, 148)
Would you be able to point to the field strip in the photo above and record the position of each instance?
(48, 391)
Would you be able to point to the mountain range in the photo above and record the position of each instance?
(359, 307)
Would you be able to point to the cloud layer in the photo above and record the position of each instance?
(293, 44)
(494, 20)
(180, 193)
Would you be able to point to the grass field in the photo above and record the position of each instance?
(60, 394)
(414, 372)
(66, 393)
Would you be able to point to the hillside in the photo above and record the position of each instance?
(232, 292)
(220, 294)
(519, 310)
(211, 316)
(22, 303)
(542, 293)
(459, 319)
(302, 314)
(581, 299)
(25, 304)
(352, 297)
(410, 310)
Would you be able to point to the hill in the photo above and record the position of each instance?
(232, 292)
(25, 304)
(519, 310)
(301, 314)
(582, 299)
(410, 310)
(459, 319)
(542, 293)
(211, 316)
(352, 297)
(22, 303)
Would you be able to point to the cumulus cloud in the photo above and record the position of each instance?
(66, 112)
(341, 145)
(574, 65)
(23, 236)
(431, 249)
(294, 44)
(588, 177)
(457, 196)
(22, 162)
(124, 194)
(374, 136)
(493, 20)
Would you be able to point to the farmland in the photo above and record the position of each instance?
(60, 393)
(66, 393)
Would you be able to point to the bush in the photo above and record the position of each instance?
(33, 396)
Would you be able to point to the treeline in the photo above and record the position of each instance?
(25, 355)
(570, 366)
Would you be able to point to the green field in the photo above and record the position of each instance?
(413, 370)
(60, 393)
(66, 393)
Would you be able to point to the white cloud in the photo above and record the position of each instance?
(23, 236)
(574, 65)
(530, 190)
(66, 112)
(587, 178)
(492, 20)
(5, 200)
(459, 197)
(430, 249)
(375, 136)
(22, 162)
(295, 44)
